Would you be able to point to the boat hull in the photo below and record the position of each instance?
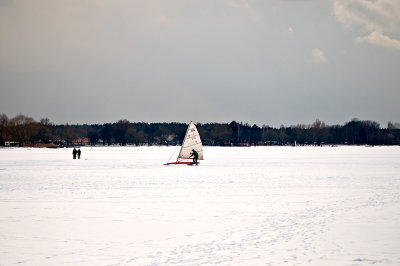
(187, 163)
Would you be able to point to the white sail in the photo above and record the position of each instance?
(191, 141)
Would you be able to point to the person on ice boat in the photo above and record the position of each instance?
(195, 156)
(191, 142)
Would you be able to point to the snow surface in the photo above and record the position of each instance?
(240, 206)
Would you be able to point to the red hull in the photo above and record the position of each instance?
(190, 163)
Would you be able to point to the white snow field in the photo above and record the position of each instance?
(240, 206)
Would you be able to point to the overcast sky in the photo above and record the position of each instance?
(267, 62)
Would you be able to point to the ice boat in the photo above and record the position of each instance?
(191, 141)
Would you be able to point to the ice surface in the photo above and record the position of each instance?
(241, 206)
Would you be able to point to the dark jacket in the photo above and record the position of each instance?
(194, 154)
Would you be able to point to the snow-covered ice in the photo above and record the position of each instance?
(241, 206)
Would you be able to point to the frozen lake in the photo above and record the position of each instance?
(241, 206)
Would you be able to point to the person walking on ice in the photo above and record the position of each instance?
(195, 156)
(79, 153)
(74, 152)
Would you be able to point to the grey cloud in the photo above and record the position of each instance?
(379, 19)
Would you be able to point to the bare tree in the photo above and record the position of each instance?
(23, 129)
(44, 134)
(3, 128)
(69, 133)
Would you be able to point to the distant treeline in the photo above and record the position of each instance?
(22, 130)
